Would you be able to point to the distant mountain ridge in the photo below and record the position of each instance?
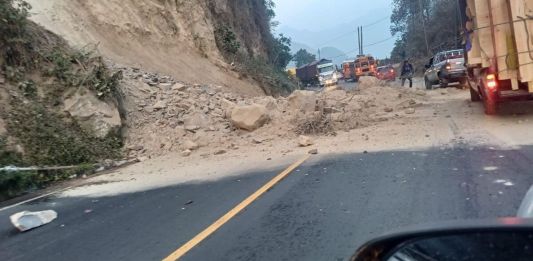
(343, 37)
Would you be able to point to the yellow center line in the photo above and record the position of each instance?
(228, 216)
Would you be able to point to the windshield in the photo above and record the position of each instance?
(205, 130)
(326, 69)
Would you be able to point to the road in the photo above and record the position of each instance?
(323, 210)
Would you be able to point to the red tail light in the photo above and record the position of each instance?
(491, 81)
(391, 70)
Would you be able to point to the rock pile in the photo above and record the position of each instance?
(166, 115)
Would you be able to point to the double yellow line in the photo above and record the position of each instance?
(228, 216)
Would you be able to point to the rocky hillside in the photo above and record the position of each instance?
(178, 38)
(58, 105)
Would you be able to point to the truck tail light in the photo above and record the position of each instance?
(491, 81)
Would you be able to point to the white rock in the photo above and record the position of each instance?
(304, 141)
(249, 117)
(27, 220)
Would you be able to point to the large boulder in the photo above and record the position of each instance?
(302, 101)
(94, 115)
(249, 117)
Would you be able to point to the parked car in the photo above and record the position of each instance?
(444, 68)
(386, 73)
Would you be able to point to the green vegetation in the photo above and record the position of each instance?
(40, 70)
(226, 40)
(416, 21)
(267, 65)
(303, 57)
(280, 53)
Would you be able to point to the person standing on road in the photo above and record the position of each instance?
(407, 73)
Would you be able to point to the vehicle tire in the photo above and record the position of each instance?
(474, 96)
(463, 82)
(443, 83)
(490, 104)
(428, 84)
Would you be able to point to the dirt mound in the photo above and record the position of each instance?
(170, 116)
(172, 37)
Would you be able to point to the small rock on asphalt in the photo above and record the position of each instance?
(313, 151)
(188, 202)
(388, 109)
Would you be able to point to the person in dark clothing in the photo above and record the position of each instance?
(407, 73)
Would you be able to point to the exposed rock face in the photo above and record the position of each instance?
(96, 116)
(249, 117)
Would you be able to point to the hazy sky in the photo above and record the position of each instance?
(311, 22)
(322, 14)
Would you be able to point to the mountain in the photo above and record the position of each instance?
(334, 54)
(344, 35)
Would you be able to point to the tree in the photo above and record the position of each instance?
(303, 57)
(425, 27)
(281, 52)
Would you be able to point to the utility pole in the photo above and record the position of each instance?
(362, 47)
(360, 39)
(319, 54)
(424, 26)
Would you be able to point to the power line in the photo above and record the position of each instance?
(351, 32)
(377, 22)
(378, 42)
(355, 50)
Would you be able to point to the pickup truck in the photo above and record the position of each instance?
(444, 68)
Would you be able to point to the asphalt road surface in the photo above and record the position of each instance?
(323, 210)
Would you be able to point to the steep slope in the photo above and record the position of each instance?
(171, 37)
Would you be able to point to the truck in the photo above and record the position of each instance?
(498, 37)
(444, 68)
(365, 65)
(321, 72)
(348, 70)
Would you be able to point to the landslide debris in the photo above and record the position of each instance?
(214, 119)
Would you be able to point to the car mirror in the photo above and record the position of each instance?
(507, 239)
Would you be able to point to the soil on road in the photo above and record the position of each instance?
(446, 160)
